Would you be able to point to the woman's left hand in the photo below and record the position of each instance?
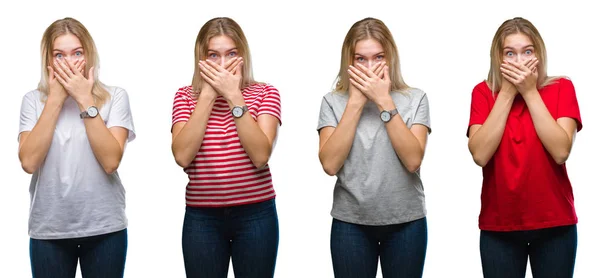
(376, 88)
(226, 83)
(523, 75)
(70, 75)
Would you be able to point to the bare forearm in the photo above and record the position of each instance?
(484, 143)
(105, 146)
(405, 144)
(35, 147)
(187, 142)
(335, 151)
(553, 136)
(253, 140)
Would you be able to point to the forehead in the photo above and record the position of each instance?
(518, 40)
(368, 47)
(221, 42)
(67, 42)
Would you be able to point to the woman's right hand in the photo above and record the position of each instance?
(56, 91)
(507, 87)
(206, 90)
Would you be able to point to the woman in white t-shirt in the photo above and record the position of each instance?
(72, 135)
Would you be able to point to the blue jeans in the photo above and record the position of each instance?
(101, 256)
(355, 249)
(248, 234)
(551, 252)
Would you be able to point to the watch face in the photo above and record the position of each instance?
(92, 111)
(385, 116)
(237, 111)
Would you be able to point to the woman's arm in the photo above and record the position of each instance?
(107, 144)
(34, 144)
(556, 135)
(256, 137)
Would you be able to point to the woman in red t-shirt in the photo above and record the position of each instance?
(224, 129)
(521, 131)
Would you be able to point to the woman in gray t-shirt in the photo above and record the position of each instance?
(72, 134)
(373, 130)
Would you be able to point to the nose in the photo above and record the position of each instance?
(222, 61)
(370, 63)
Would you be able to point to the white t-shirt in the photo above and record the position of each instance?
(71, 195)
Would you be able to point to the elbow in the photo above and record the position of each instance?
(480, 161)
(331, 171)
(182, 162)
(413, 167)
(561, 158)
(28, 167)
(260, 162)
(110, 168)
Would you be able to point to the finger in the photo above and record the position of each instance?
(519, 66)
(91, 75)
(510, 73)
(215, 66)
(355, 76)
(357, 85)
(359, 75)
(207, 79)
(73, 68)
(510, 67)
(239, 68)
(386, 73)
(81, 67)
(367, 72)
(60, 79)
(509, 78)
(234, 64)
(379, 70)
(206, 70)
(60, 71)
(534, 65)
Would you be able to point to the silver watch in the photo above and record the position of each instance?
(386, 115)
(238, 111)
(90, 112)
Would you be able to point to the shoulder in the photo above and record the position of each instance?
(409, 96)
(261, 88)
(33, 96)
(334, 97)
(115, 91)
(185, 92)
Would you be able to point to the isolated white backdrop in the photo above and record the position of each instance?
(147, 49)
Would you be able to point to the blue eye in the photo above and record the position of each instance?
(78, 53)
(58, 55)
(528, 52)
(232, 54)
(510, 53)
(212, 55)
(360, 59)
(380, 57)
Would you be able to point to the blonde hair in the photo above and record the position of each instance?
(517, 25)
(71, 26)
(222, 26)
(370, 28)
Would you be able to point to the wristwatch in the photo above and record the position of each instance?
(386, 115)
(90, 112)
(238, 111)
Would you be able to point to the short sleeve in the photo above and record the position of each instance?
(567, 103)
(422, 116)
(326, 115)
(182, 109)
(271, 103)
(29, 116)
(120, 113)
(480, 108)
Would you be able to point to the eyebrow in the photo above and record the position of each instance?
(76, 49)
(527, 46)
(235, 48)
(380, 53)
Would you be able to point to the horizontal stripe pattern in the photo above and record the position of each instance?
(222, 174)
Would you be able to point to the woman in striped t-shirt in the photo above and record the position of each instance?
(224, 129)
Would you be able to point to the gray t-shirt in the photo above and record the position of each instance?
(71, 195)
(373, 186)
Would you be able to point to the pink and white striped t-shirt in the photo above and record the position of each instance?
(222, 174)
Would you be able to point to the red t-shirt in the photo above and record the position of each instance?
(222, 174)
(523, 187)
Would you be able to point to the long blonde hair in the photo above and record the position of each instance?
(217, 27)
(370, 28)
(515, 26)
(71, 26)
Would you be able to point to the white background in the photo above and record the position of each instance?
(444, 50)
